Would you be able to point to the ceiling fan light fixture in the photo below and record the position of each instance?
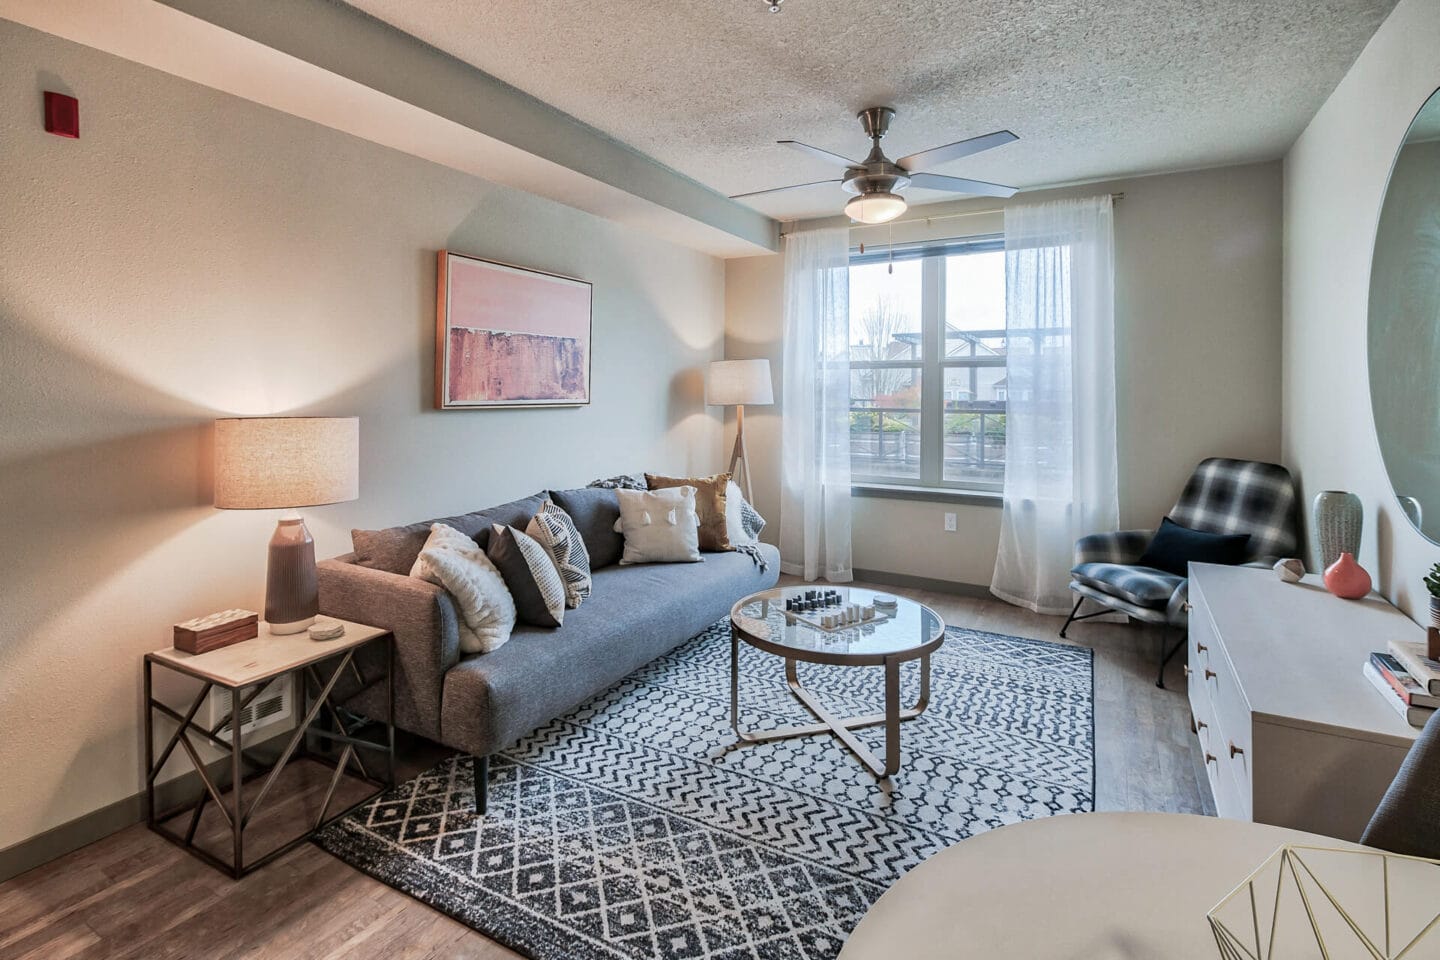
(878, 207)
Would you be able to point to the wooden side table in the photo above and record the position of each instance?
(250, 666)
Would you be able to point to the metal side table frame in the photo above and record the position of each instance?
(237, 814)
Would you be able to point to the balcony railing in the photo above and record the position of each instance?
(885, 442)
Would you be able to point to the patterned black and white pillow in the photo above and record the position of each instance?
(530, 574)
(750, 519)
(554, 530)
(624, 481)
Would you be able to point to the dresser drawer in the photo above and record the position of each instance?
(1217, 702)
(1226, 791)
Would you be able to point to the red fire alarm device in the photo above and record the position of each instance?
(62, 115)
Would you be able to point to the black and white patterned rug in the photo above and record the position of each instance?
(635, 828)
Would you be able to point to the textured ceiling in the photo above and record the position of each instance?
(1094, 89)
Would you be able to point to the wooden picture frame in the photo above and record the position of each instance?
(508, 336)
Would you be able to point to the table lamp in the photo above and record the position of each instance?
(736, 383)
(268, 463)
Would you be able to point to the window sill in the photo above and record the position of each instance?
(882, 491)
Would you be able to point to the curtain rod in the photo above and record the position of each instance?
(943, 216)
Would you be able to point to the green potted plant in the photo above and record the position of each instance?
(1432, 583)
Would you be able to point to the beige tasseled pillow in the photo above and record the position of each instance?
(709, 505)
(659, 525)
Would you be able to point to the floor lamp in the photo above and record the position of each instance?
(734, 383)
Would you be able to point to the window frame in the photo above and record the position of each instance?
(933, 363)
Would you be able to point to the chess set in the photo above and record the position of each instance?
(827, 610)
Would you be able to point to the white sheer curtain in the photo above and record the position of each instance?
(1060, 469)
(815, 436)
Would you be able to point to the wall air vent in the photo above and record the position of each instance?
(275, 704)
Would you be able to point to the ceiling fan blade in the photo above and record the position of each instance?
(935, 181)
(825, 155)
(793, 186)
(925, 159)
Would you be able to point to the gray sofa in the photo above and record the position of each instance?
(479, 703)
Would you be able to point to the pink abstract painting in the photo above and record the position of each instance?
(508, 336)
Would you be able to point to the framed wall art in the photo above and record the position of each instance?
(506, 336)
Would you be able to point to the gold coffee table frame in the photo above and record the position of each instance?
(867, 646)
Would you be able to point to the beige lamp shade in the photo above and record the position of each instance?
(283, 462)
(739, 382)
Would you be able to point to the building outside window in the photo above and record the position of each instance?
(927, 360)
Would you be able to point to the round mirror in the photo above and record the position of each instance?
(1404, 335)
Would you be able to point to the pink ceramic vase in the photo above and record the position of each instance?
(1346, 578)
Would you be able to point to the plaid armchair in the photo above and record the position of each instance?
(1222, 496)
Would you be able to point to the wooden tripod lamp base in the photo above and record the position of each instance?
(739, 460)
(735, 383)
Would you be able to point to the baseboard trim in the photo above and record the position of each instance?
(69, 837)
(112, 818)
(922, 583)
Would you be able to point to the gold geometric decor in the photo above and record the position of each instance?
(1332, 904)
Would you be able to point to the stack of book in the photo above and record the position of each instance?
(1409, 681)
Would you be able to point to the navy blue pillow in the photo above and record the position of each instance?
(1175, 547)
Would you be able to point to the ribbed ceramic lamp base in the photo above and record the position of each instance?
(292, 598)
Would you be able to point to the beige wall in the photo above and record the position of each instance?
(1197, 314)
(1335, 178)
(195, 255)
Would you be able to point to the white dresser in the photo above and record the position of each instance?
(1292, 733)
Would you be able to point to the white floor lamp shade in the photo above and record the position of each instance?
(268, 463)
(734, 383)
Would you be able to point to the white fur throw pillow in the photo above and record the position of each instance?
(454, 561)
(660, 526)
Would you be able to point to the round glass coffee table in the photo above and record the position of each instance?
(911, 631)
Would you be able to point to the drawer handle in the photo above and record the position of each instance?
(1210, 758)
(1234, 749)
(1200, 647)
(1202, 725)
(1187, 606)
(1186, 668)
(1210, 674)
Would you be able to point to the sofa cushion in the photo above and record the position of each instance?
(1142, 586)
(394, 549)
(594, 511)
(634, 614)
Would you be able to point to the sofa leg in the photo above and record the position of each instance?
(481, 768)
(1071, 619)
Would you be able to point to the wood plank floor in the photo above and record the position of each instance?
(132, 895)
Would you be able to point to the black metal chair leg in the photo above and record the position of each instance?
(481, 768)
(1071, 618)
(1165, 657)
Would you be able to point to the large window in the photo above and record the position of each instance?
(927, 365)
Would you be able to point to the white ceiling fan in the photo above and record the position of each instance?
(877, 182)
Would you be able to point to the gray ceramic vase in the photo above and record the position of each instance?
(1338, 518)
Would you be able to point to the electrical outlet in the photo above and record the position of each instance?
(949, 523)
